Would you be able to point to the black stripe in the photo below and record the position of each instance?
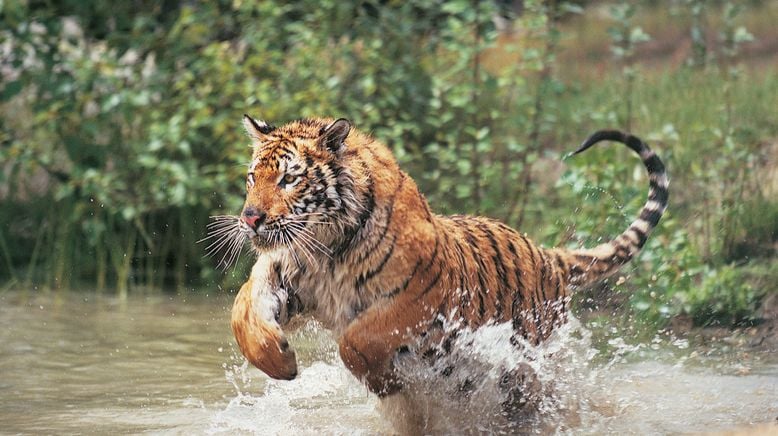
(534, 259)
(534, 292)
(500, 270)
(282, 149)
(621, 256)
(431, 285)
(642, 237)
(530, 248)
(319, 174)
(585, 258)
(479, 273)
(543, 275)
(517, 271)
(368, 212)
(559, 262)
(558, 277)
(633, 142)
(361, 280)
(390, 213)
(464, 223)
(542, 296)
(512, 248)
(277, 270)
(464, 292)
(334, 169)
(560, 272)
(405, 283)
(497, 258)
(481, 307)
(652, 216)
(434, 252)
(517, 296)
(657, 193)
(654, 164)
(350, 236)
(379, 159)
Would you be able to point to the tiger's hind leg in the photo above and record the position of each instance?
(522, 390)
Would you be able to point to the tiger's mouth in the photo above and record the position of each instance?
(262, 242)
(265, 236)
(269, 237)
(298, 236)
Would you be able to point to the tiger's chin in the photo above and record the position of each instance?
(263, 243)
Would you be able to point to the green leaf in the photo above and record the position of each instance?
(571, 8)
(11, 89)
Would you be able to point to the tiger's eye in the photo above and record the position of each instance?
(289, 178)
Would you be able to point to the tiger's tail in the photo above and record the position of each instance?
(588, 266)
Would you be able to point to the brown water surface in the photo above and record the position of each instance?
(86, 363)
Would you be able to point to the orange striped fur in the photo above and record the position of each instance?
(344, 234)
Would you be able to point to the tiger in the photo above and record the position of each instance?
(340, 232)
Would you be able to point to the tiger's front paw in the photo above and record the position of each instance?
(255, 315)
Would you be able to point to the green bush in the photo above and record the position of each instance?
(120, 131)
(727, 296)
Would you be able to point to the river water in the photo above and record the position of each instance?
(87, 363)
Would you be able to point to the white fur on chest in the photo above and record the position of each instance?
(332, 293)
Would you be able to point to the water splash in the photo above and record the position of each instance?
(324, 398)
(491, 382)
(567, 384)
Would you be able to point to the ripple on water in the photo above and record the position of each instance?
(108, 367)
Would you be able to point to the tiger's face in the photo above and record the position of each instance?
(294, 182)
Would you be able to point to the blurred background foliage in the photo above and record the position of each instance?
(120, 130)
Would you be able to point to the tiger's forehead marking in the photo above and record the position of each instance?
(280, 161)
(274, 154)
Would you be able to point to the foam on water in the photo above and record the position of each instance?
(324, 398)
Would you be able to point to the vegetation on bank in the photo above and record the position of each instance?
(120, 130)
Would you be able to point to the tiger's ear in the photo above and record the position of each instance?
(334, 136)
(256, 129)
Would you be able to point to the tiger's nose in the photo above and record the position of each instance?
(253, 217)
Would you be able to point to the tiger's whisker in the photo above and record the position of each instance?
(229, 253)
(303, 231)
(304, 244)
(315, 245)
(287, 242)
(219, 243)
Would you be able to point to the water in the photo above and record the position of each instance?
(74, 363)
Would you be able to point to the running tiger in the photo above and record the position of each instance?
(342, 233)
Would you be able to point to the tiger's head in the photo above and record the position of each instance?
(297, 180)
